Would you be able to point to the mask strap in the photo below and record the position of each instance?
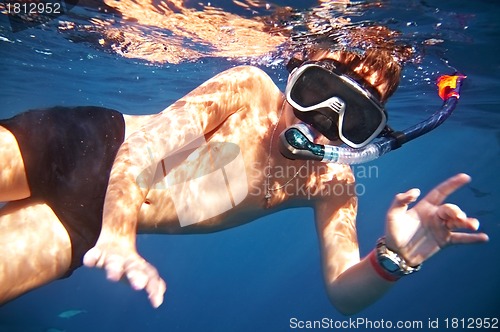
(297, 60)
(293, 63)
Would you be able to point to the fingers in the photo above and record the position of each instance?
(468, 238)
(443, 190)
(140, 274)
(136, 273)
(406, 198)
(156, 291)
(143, 275)
(114, 267)
(92, 257)
(453, 218)
(402, 200)
(113, 264)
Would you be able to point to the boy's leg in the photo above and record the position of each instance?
(35, 248)
(13, 181)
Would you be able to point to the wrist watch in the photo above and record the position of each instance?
(393, 263)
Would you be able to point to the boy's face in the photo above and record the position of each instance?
(334, 103)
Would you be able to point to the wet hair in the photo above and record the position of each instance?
(369, 54)
(376, 67)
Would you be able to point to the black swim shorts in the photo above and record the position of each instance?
(68, 154)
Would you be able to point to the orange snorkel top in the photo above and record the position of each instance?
(447, 86)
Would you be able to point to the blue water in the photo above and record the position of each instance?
(259, 276)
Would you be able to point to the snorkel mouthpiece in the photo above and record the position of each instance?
(296, 143)
(297, 140)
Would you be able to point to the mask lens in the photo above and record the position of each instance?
(360, 122)
(313, 87)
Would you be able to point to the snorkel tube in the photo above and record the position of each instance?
(297, 141)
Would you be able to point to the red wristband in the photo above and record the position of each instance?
(380, 270)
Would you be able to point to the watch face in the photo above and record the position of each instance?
(389, 265)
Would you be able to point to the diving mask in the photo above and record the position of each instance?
(297, 141)
(335, 104)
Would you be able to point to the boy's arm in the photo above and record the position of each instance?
(414, 234)
(185, 122)
(351, 283)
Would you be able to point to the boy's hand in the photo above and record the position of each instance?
(430, 225)
(121, 261)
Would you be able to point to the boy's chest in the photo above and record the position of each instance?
(229, 178)
(213, 184)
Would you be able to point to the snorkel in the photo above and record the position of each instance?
(296, 142)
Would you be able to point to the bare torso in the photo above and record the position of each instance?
(246, 136)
